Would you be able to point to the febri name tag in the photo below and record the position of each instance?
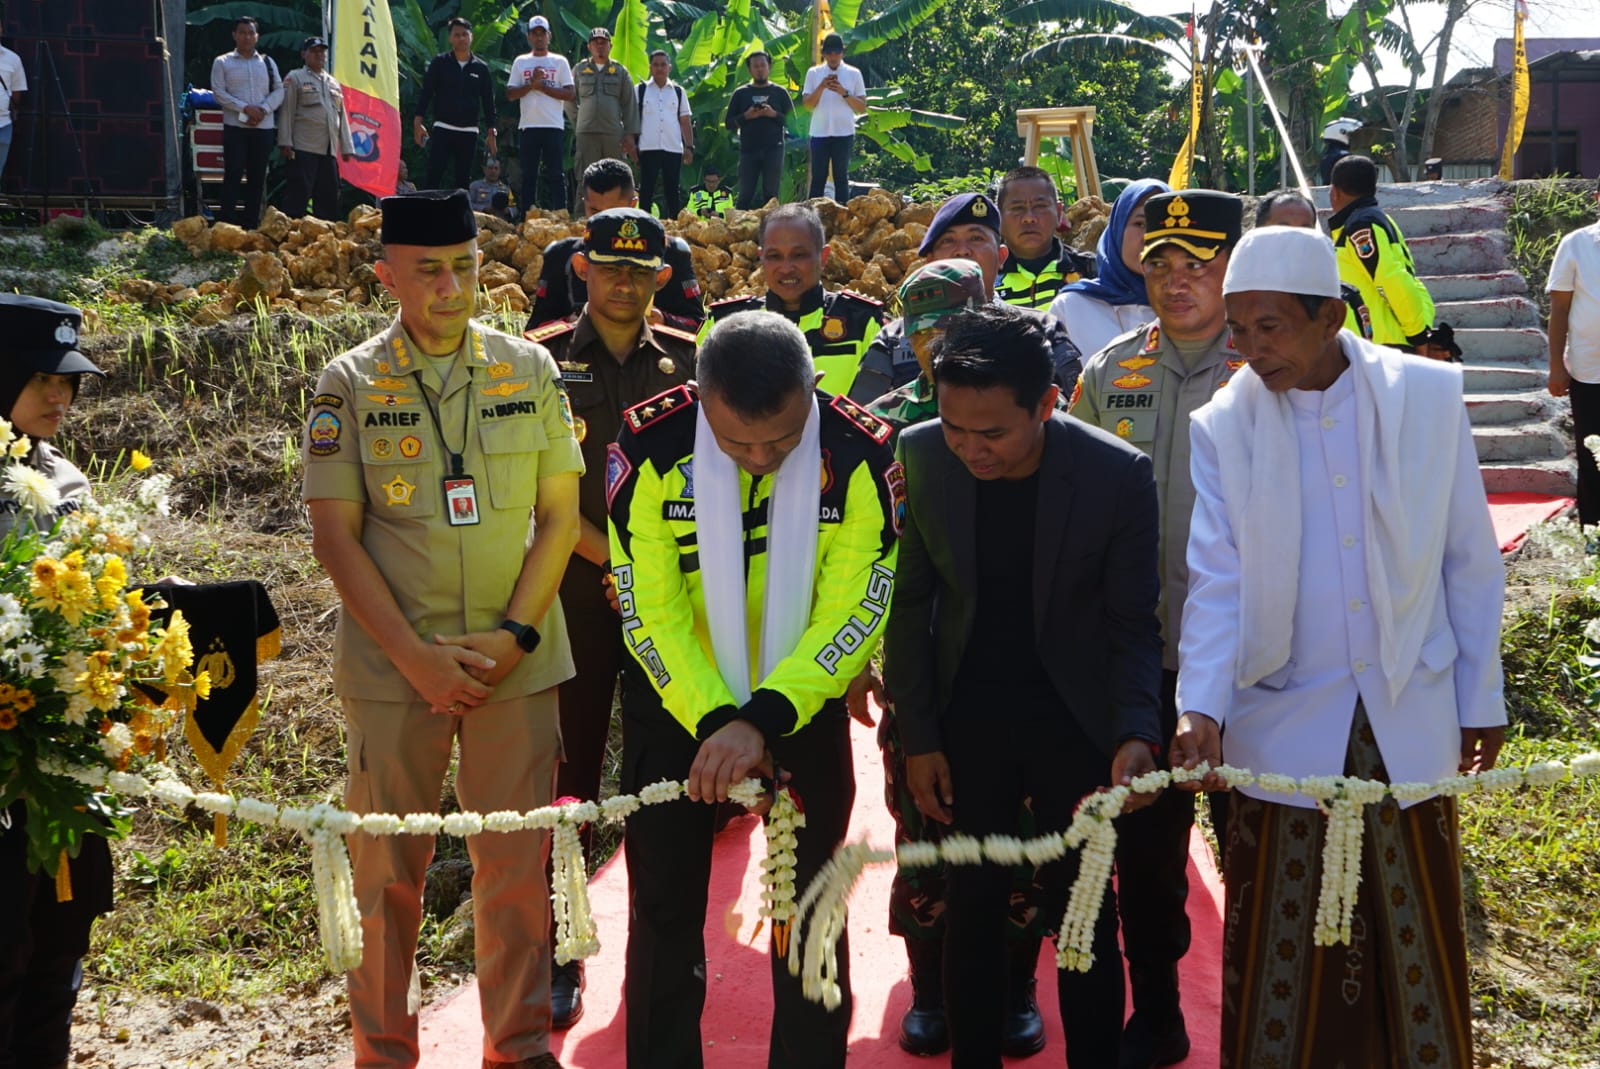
(460, 500)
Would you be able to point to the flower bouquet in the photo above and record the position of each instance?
(80, 659)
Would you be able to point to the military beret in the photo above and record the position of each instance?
(624, 236)
(42, 335)
(1202, 222)
(962, 208)
(433, 217)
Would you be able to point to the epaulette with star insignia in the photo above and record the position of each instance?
(879, 430)
(729, 305)
(862, 297)
(546, 331)
(659, 407)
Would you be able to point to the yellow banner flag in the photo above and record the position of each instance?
(1519, 95)
(368, 66)
(1183, 165)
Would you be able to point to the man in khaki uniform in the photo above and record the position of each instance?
(1142, 388)
(611, 359)
(432, 453)
(605, 112)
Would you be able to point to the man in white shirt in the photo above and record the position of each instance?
(836, 94)
(666, 137)
(1574, 288)
(541, 84)
(1343, 618)
(13, 82)
(250, 91)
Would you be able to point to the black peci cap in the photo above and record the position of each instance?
(434, 217)
(42, 335)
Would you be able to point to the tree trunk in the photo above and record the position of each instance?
(1453, 11)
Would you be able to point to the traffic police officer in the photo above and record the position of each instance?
(710, 197)
(966, 226)
(1038, 264)
(605, 112)
(611, 359)
(1142, 387)
(607, 184)
(710, 553)
(1374, 257)
(838, 325)
(431, 452)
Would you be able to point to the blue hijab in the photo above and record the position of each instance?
(1116, 284)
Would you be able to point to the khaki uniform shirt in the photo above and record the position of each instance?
(1140, 389)
(605, 103)
(602, 389)
(313, 117)
(371, 437)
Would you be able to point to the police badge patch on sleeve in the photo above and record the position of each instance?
(894, 477)
(618, 468)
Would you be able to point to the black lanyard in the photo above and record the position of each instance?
(457, 461)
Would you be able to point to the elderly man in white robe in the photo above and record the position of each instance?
(1343, 617)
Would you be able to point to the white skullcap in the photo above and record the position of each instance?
(1283, 259)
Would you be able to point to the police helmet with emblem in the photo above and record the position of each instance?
(40, 335)
(624, 236)
(1202, 222)
(960, 209)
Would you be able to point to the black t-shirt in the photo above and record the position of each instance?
(1002, 654)
(760, 133)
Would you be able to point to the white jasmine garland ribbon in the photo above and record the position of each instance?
(813, 955)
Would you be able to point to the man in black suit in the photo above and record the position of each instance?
(1023, 651)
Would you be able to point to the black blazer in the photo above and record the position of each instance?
(1095, 584)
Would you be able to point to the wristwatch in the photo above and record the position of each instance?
(527, 637)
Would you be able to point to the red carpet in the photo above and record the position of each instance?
(739, 1000)
(1513, 514)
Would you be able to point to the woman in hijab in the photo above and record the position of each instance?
(42, 941)
(1096, 310)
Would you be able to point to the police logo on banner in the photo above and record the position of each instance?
(618, 468)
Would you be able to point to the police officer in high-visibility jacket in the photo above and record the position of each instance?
(710, 197)
(1142, 387)
(1037, 263)
(1374, 258)
(754, 530)
(838, 325)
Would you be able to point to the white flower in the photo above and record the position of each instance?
(32, 489)
(1003, 850)
(7, 435)
(619, 808)
(1411, 792)
(1592, 444)
(1591, 632)
(212, 802)
(1585, 765)
(502, 821)
(116, 742)
(463, 824)
(917, 855)
(1544, 773)
(381, 824)
(152, 493)
(77, 711)
(29, 659)
(961, 849)
(665, 791)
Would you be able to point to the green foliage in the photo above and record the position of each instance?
(1542, 213)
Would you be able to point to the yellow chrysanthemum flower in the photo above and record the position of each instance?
(46, 570)
(174, 650)
(202, 686)
(73, 562)
(139, 462)
(112, 579)
(18, 449)
(100, 683)
(75, 595)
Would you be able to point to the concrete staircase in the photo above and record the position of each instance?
(1458, 239)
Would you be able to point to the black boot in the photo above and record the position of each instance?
(1022, 1035)
(566, 995)
(1155, 1033)
(923, 1030)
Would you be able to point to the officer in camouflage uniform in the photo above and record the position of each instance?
(611, 359)
(442, 474)
(1142, 387)
(838, 325)
(928, 297)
